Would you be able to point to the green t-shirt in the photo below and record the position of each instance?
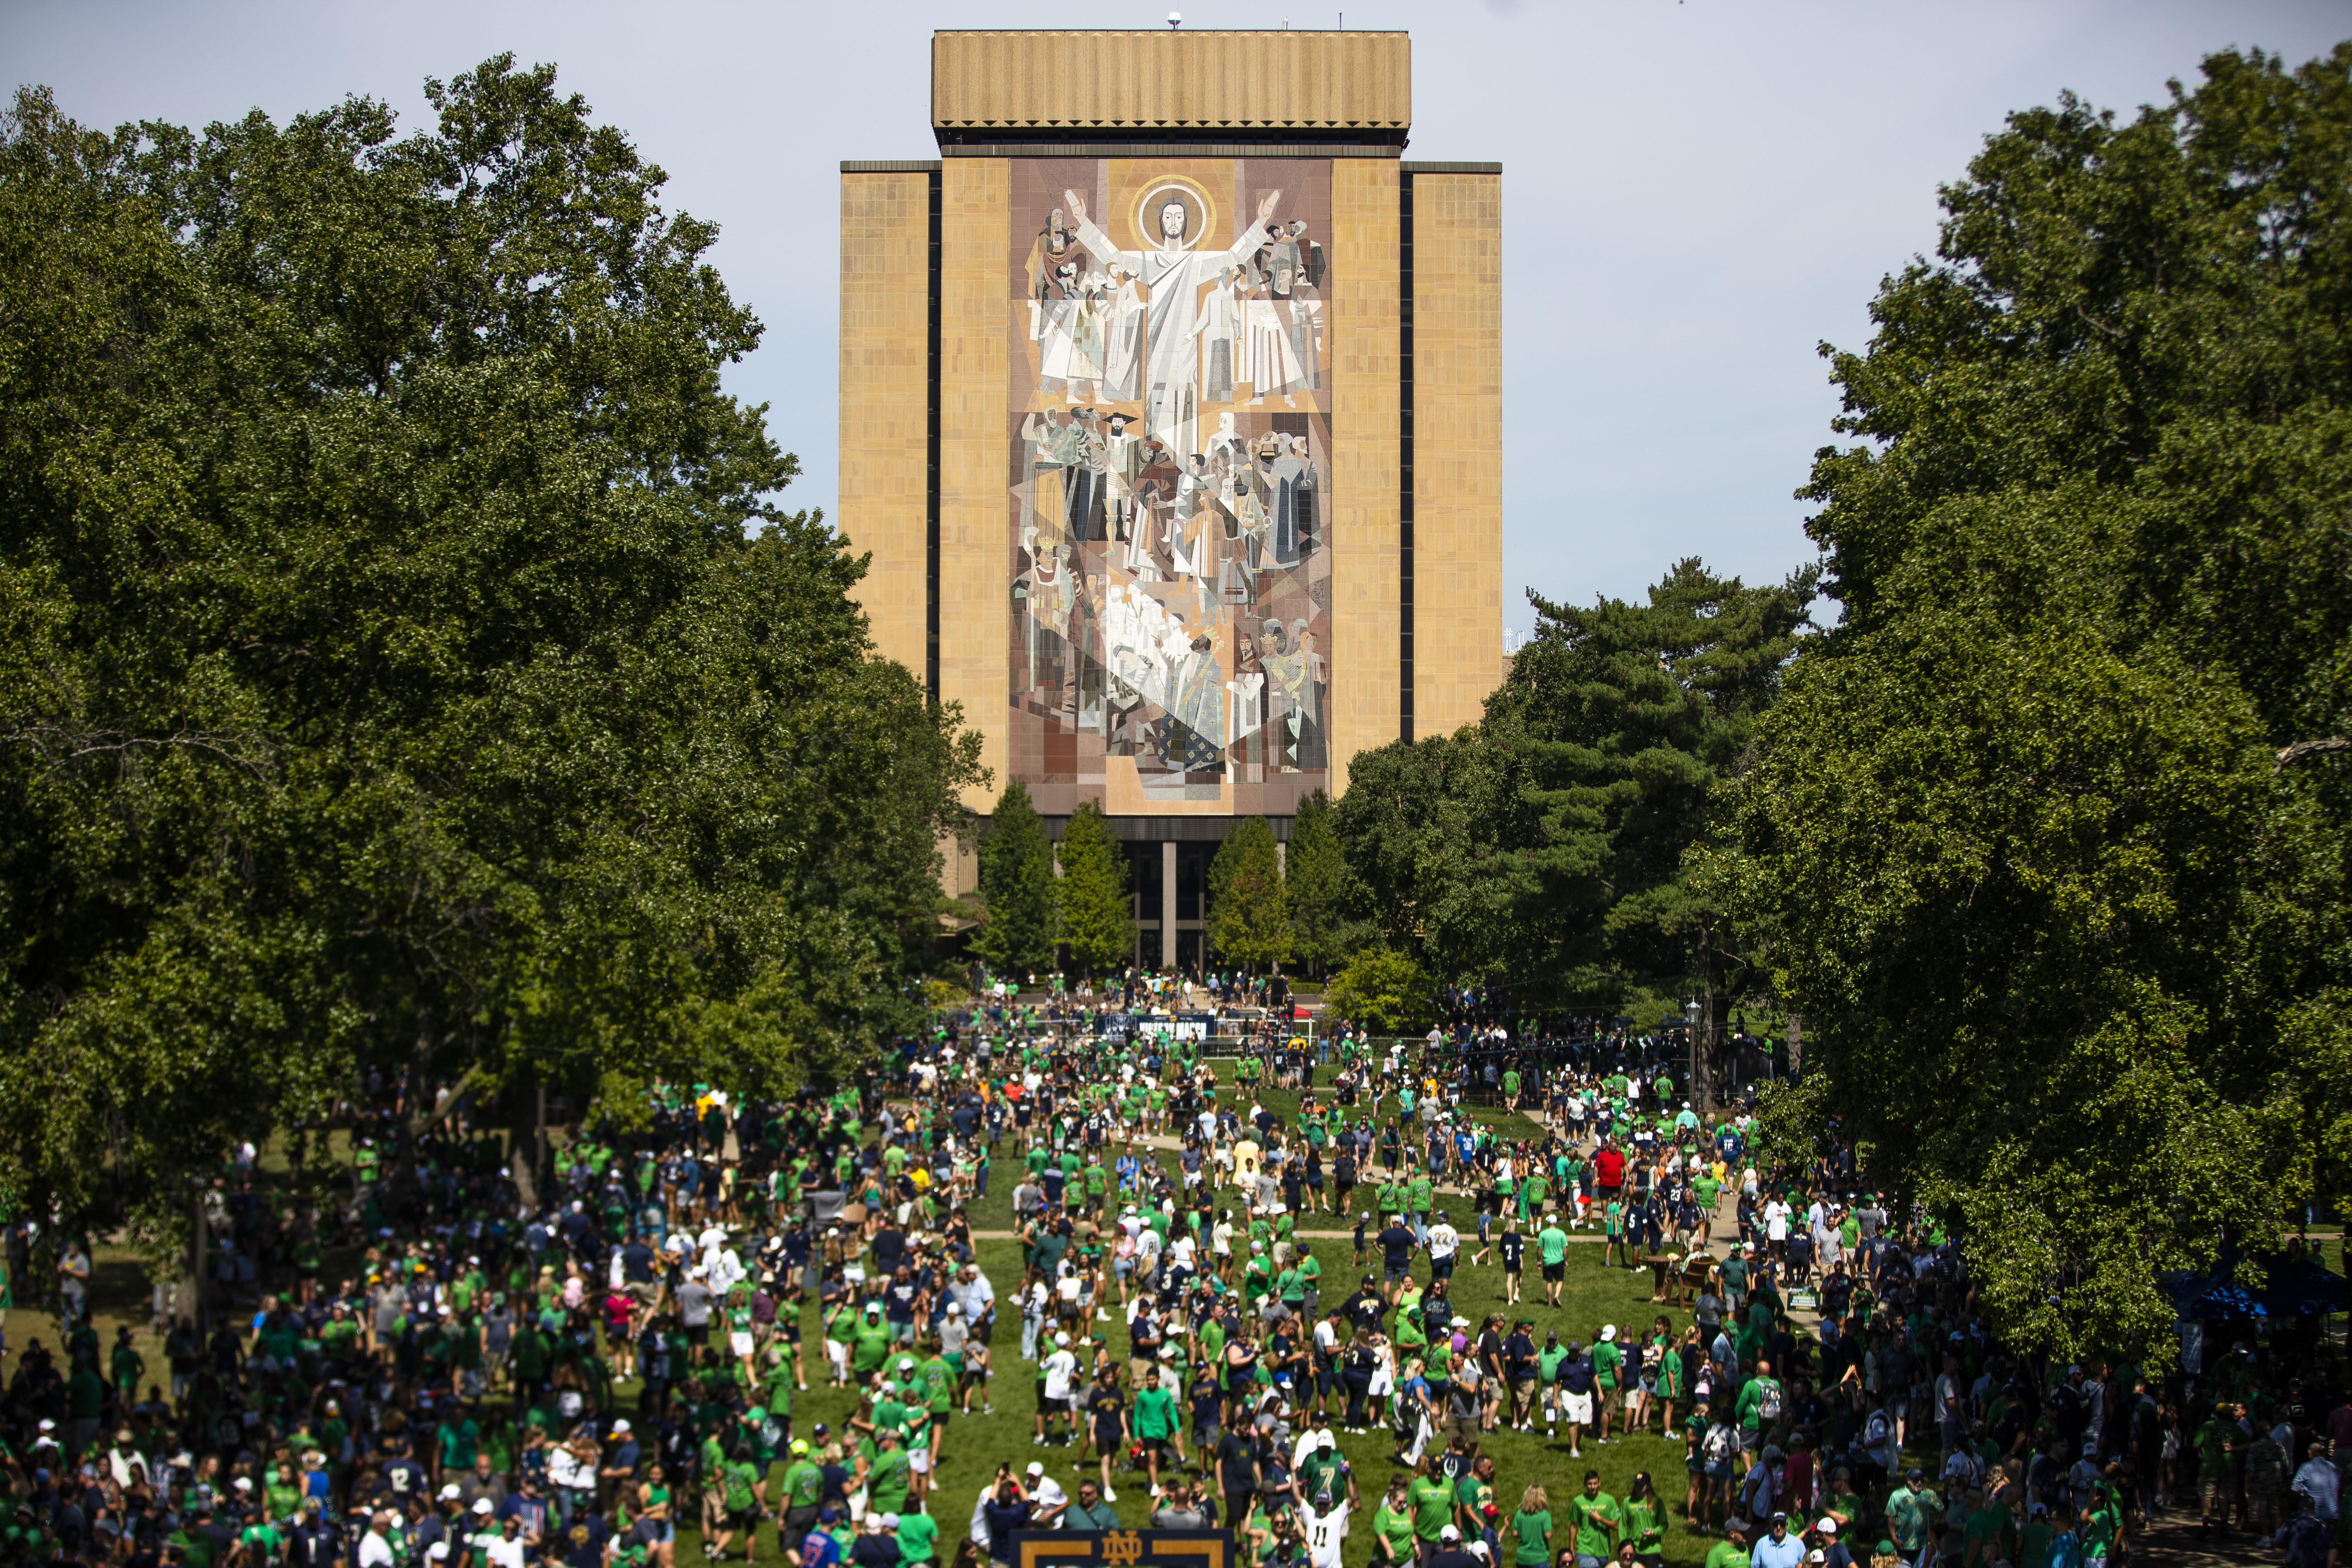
(1394, 1528)
(918, 1535)
(1594, 1521)
(887, 1483)
(1551, 1244)
(1534, 1530)
(1433, 1506)
(2213, 1441)
(1724, 1555)
(739, 1476)
(1606, 1359)
(1997, 1528)
(804, 1485)
(1645, 1524)
(1155, 1412)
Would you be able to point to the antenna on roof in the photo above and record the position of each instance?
(1175, 18)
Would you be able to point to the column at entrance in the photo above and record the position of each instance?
(1168, 904)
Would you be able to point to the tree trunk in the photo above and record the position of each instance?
(526, 1107)
(196, 1257)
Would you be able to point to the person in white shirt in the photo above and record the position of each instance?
(1046, 1498)
(2318, 1479)
(1325, 1532)
(375, 1546)
(1056, 1372)
(500, 1543)
(1444, 1241)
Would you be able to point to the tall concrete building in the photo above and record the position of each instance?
(1171, 415)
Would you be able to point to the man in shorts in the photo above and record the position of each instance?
(1551, 1246)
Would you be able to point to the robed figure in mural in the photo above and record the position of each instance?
(1174, 273)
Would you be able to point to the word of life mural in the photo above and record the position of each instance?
(1170, 482)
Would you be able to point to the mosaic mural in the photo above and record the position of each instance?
(1170, 482)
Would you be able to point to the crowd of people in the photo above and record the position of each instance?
(597, 1362)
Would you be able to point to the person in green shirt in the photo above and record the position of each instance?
(1155, 1424)
(892, 1473)
(1730, 1552)
(918, 1536)
(1531, 1529)
(1991, 1537)
(869, 1344)
(261, 1542)
(744, 1491)
(1607, 1361)
(1760, 1401)
(1432, 1502)
(804, 1490)
(1911, 1511)
(1595, 1520)
(1551, 1248)
(2217, 1441)
(1417, 1192)
(1392, 1531)
(1645, 1520)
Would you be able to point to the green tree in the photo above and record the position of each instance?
(1382, 991)
(1425, 827)
(1017, 888)
(2037, 838)
(404, 663)
(1249, 907)
(1096, 908)
(1324, 926)
(1622, 722)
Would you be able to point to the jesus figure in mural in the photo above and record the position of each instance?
(1175, 273)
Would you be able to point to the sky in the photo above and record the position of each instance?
(1697, 193)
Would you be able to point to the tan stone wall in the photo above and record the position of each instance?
(975, 524)
(1365, 586)
(1169, 78)
(885, 314)
(1457, 352)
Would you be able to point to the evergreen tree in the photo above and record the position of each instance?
(1095, 901)
(1016, 886)
(1623, 721)
(1323, 929)
(1249, 908)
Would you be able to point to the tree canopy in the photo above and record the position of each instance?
(1249, 907)
(1023, 926)
(1621, 723)
(405, 661)
(2035, 839)
(1382, 991)
(1096, 921)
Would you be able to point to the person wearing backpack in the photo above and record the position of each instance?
(1761, 1400)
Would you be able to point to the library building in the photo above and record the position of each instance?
(1171, 418)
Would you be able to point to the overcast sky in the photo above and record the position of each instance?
(1695, 193)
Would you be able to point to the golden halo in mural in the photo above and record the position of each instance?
(1200, 211)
